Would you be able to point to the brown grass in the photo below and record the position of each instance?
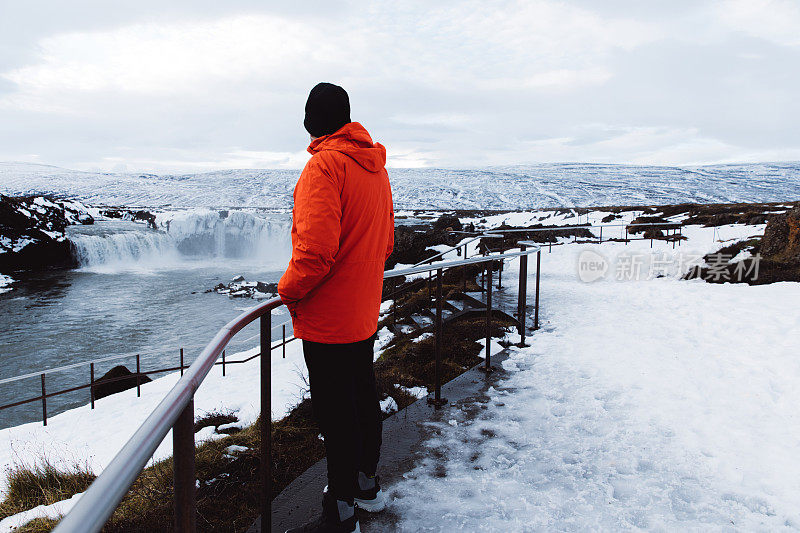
(42, 484)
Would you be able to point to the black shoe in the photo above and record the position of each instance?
(337, 517)
(369, 495)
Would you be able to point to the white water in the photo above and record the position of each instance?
(184, 239)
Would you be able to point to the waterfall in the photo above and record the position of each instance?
(184, 237)
(124, 249)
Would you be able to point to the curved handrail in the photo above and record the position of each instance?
(102, 497)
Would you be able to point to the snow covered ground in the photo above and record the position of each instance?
(646, 403)
(5, 283)
(93, 437)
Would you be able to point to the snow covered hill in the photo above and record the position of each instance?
(508, 188)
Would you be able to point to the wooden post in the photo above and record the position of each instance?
(183, 450)
(536, 304)
(91, 383)
(266, 423)
(44, 403)
(488, 366)
(522, 293)
(437, 400)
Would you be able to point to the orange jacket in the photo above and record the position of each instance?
(342, 234)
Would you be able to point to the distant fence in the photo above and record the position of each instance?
(135, 378)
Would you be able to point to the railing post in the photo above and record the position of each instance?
(523, 293)
(500, 275)
(266, 422)
(223, 363)
(44, 403)
(283, 341)
(181, 361)
(184, 470)
(483, 276)
(437, 400)
(536, 304)
(601, 234)
(488, 366)
(91, 383)
(138, 378)
(394, 303)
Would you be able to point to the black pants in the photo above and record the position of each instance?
(347, 410)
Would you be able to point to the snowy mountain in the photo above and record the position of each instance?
(513, 187)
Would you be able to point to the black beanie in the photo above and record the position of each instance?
(327, 109)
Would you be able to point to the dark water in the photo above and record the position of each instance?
(63, 317)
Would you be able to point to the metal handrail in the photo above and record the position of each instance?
(176, 410)
(449, 264)
(103, 496)
(456, 247)
(579, 226)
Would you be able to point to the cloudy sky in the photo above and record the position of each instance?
(198, 85)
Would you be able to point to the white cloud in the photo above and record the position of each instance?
(777, 21)
(434, 119)
(451, 83)
(164, 59)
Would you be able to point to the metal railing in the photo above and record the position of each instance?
(176, 411)
(95, 384)
(463, 244)
(675, 227)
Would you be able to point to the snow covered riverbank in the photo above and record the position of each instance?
(93, 437)
(657, 404)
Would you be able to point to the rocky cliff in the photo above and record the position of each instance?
(32, 232)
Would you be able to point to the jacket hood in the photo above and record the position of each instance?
(354, 141)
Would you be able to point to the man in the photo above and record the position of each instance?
(342, 234)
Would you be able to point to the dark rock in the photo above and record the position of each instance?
(447, 223)
(238, 288)
(658, 223)
(116, 380)
(653, 233)
(781, 241)
(780, 261)
(539, 233)
(411, 244)
(146, 217)
(134, 215)
(609, 218)
(269, 288)
(32, 232)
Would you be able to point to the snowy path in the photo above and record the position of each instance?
(656, 404)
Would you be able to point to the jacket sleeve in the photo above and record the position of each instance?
(316, 229)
